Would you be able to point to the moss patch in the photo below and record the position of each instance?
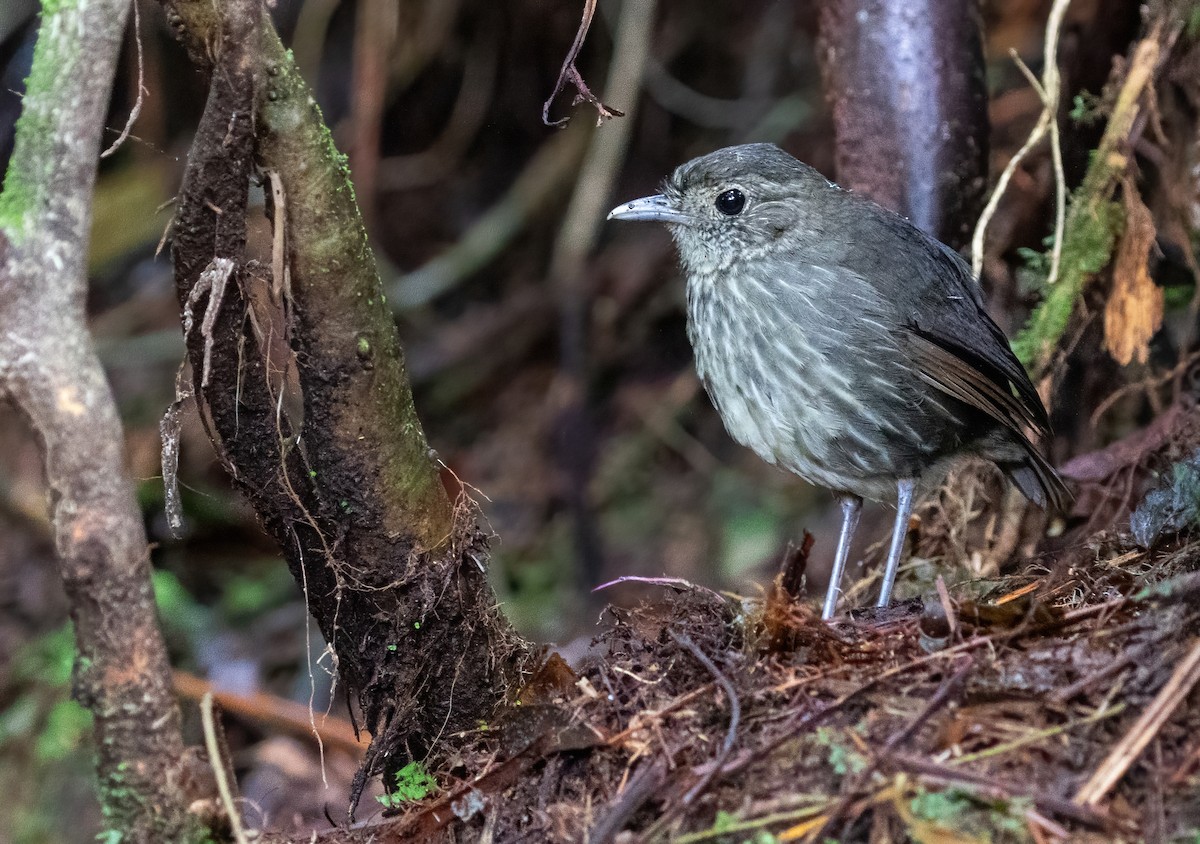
(25, 183)
(1087, 248)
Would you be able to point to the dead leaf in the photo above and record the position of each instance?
(1135, 307)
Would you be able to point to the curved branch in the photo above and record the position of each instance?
(393, 574)
(49, 369)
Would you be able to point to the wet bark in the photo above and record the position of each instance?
(393, 573)
(906, 85)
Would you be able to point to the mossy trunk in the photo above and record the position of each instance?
(394, 574)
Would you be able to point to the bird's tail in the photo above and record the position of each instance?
(1039, 482)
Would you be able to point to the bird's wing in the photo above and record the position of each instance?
(964, 374)
(956, 346)
(961, 351)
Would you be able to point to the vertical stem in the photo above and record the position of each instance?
(906, 84)
(49, 369)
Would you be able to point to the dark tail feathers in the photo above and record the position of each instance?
(1038, 482)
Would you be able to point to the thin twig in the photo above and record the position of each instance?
(1146, 385)
(570, 73)
(995, 750)
(947, 605)
(1131, 745)
(1065, 694)
(641, 788)
(467, 116)
(670, 582)
(988, 784)
(169, 429)
(1048, 91)
(542, 179)
(735, 715)
(274, 713)
(217, 760)
(951, 687)
(136, 111)
(212, 281)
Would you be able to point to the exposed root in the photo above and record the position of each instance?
(212, 282)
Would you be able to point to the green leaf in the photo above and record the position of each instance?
(411, 783)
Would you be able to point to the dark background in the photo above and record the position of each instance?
(636, 478)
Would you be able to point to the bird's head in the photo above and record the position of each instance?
(736, 203)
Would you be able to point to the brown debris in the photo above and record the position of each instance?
(858, 726)
(1134, 310)
(571, 75)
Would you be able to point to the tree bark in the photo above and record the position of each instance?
(909, 98)
(49, 370)
(393, 573)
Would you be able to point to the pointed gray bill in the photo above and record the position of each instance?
(657, 208)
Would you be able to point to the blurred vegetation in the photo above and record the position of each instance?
(45, 744)
(470, 195)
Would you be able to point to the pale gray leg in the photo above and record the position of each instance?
(851, 507)
(904, 506)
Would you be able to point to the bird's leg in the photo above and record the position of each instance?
(904, 506)
(851, 507)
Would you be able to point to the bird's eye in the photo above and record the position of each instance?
(731, 202)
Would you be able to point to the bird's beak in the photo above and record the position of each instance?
(657, 208)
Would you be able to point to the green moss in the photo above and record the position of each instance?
(53, 7)
(1087, 248)
(29, 170)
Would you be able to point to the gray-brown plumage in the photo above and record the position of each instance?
(839, 341)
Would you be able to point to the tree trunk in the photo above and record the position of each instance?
(49, 370)
(909, 98)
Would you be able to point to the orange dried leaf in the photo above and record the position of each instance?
(1020, 592)
(1135, 307)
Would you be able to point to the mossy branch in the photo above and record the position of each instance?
(351, 491)
(50, 371)
(1092, 227)
(1094, 220)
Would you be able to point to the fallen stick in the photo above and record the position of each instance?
(1131, 745)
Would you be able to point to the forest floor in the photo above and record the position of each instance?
(1056, 701)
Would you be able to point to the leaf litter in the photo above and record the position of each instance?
(1054, 702)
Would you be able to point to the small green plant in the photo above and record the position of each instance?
(962, 810)
(1086, 108)
(762, 837)
(411, 783)
(724, 821)
(843, 758)
(940, 806)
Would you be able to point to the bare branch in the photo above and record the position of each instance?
(49, 370)
(570, 74)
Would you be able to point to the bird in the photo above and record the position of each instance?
(840, 342)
